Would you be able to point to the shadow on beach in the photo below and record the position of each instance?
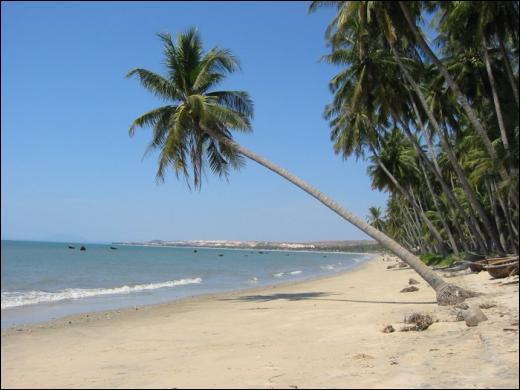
(317, 296)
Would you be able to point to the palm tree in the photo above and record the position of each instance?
(365, 94)
(375, 218)
(411, 12)
(195, 129)
(461, 23)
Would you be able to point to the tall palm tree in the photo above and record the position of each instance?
(375, 218)
(365, 94)
(195, 129)
(411, 12)
(360, 36)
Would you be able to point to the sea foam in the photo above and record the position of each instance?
(281, 274)
(16, 298)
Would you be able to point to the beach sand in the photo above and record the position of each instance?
(324, 333)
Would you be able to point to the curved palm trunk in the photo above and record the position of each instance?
(465, 185)
(437, 173)
(472, 196)
(460, 97)
(406, 194)
(408, 227)
(445, 224)
(470, 220)
(496, 101)
(509, 69)
(437, 128)
(412, 225)
(494, 208)
(512, 232)
(447, 294)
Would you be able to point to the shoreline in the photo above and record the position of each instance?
(215, 295)
(375, 253)
(322, 333)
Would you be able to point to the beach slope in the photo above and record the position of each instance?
(313, 334)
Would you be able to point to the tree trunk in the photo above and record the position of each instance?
(509, 69)
(470, 219)
(512, 232)
(415, 226)
(406, 194)
(434, 168)
(447, 294)
(437, 128)
(414, 239)
(494, 208)
(445, 224)
(496, 101)
(460, 97)
(470, 193)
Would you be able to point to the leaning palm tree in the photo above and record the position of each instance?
(194, 130)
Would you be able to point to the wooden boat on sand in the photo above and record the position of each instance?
(501, 267)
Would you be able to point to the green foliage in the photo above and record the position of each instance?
(187, 130)
(391, 96)
(433, 259)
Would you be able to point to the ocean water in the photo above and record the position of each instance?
(43, 281)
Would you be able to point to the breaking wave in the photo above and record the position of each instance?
(14, 299)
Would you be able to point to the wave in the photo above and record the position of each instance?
(281, 274)
(16, 298)
(331, 267)
(328, 267)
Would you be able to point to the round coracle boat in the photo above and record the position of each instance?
(501, 267)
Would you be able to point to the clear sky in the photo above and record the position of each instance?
(70, 172)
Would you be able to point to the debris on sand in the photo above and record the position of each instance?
(409, 289)
(388, 329)
(420, 322)
(412, 281)
(362, 356)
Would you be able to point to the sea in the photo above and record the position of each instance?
(42, 281)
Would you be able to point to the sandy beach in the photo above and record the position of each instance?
(324, 333)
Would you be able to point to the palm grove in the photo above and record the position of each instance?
(438, 122)
(457, 192)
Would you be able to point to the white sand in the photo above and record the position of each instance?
(315, 334)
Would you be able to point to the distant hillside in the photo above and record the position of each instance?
(346, 245)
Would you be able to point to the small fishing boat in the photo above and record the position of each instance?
(477, 265)
(501, 267)
(113, 247)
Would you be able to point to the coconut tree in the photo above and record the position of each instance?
(365, 97)
(411, 13)
(461, 23)
(375, 218)
(363, 28)
(194, 130)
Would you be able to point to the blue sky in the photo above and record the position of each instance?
(70, 171)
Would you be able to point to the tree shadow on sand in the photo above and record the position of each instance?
(317, 296)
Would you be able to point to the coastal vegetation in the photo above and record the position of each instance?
(428, 94)
(193, 131)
